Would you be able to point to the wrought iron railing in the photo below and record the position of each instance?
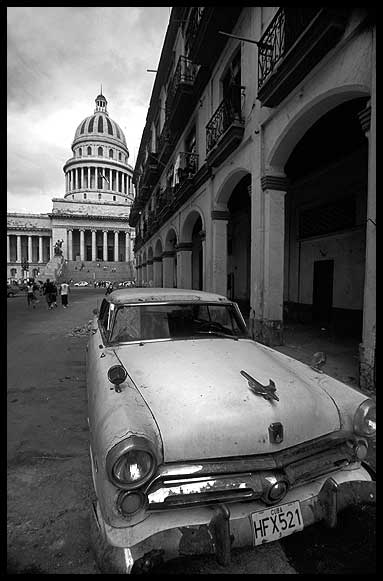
(282, 32)
(184, 74)
(165, 138)
(227, 113)
(195, 18)
(188, 166)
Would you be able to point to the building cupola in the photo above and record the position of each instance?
(101, 103)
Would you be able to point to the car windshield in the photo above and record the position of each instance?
(176, 321)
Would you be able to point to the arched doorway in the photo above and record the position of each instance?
(191, 253)
(325, 217)
(197, 255)
(157, 264)
(239, 244)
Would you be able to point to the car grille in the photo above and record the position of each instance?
(243, 479)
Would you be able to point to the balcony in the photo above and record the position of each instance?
(179, 99)
(203, 42)
(224, 132)
(151, 168)
(166, 144)
(294, 42)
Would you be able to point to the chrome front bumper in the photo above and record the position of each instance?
(218, 529)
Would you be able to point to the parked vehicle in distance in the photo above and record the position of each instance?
(205, 440)
(81, 283)
(12, 290)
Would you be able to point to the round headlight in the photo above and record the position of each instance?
(365, 419)
(275, 487)
(117, 374)
(132, 467)
(129, 503)
(131, 463)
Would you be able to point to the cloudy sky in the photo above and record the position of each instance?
(57, 59)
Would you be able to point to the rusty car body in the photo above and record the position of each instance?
(203, 440)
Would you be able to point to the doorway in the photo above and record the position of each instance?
(322, 291)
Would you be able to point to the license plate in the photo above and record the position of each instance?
(276, 522)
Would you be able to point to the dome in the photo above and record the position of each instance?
(99, 125)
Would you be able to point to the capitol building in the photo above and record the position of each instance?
(90, 223)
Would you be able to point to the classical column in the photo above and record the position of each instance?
(51, 247)
(105, 249)
(8, 249)
(367, 349)
(82, 178)
(157, 271)
(93, 245)
(88, 185)
(168, 268)
(70, 244)
(127, 247)
(82, 245)
(18, 248)
(40, 249)
(184, 265)
(219, 254)
(29, 257)
(116, 246)
(274, 190)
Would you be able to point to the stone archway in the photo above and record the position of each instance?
(325, 211)
(157, 264)
(191, 251)
(149, 267)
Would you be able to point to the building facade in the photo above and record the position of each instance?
(91, 220)
(255, 176)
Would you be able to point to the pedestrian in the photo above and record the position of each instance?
(54, 294)
(64, 291)
(47, 291)
(109, 289)
(31, 298)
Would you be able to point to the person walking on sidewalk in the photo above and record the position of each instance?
(50, 292)
(31, 298)
(64, 291)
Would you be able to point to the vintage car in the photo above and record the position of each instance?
(203, 440)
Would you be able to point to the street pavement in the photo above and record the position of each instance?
(48, 474)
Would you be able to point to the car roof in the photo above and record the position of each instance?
(151, 295)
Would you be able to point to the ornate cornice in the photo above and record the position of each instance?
(365, 118)
(270, 182)
(220, 215)
(184, 246)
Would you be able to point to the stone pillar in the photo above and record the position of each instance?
(367, 349)
(8, 249)
(139, 274)
(29, 257)
(94, 253)
(127, 247)
(184, 265)
(270, 327)
(219, 257)
(70, 244)
(40, 249)
(82, 245)
(157, 271)
(88, 185)
(18, 248)
(105, 248)
(116, 246)
(50, 248)
(149, 270)
(82, 178)
(168, 267)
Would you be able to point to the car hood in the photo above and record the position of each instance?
(203, 405)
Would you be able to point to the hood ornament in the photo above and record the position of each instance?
(266, 391)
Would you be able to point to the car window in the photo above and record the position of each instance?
(174, 321)
(103, 317)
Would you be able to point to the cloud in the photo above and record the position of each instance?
(57, 58)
